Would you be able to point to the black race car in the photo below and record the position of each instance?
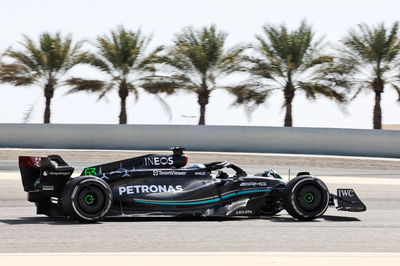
(160, 185)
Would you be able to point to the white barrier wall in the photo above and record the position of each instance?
(382, 143)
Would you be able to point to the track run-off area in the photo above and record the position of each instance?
(376, 181)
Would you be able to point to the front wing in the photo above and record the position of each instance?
(347, 200)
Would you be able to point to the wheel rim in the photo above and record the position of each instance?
(310, 198)
(91, 199)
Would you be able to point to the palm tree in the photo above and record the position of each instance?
(121, 56)
(43, 64)
(369, 60)
(196, 62)
(289, 61)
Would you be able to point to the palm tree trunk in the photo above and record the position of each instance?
(202, 119)
(289, 95)
(378, 86)
(122, 115)
(48, 94)
(377, 111)
(288, 115)
(203, 101)
(123, 94)
(47, 111)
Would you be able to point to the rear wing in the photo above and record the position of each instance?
(47, 174)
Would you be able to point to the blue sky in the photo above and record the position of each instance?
(163, 18)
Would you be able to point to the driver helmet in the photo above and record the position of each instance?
(196, 166)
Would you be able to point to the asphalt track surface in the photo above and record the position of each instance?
(376, 181)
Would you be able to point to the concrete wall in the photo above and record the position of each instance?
(380, 143)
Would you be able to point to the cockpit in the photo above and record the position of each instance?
(195, 166)
(218, 166)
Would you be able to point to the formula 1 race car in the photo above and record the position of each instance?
(160, 185)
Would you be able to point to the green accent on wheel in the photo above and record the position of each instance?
(309, 197)
(89, 199)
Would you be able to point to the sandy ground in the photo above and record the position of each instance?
(391, 127)
(196, 259)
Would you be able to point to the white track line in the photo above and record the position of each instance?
(199, 253)
(202, 258)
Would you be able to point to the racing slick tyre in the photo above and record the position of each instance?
(305, 198)
(86, 198)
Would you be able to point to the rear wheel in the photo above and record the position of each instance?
(86, 199)
(306, 198)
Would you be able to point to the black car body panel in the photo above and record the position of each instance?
(158, 184)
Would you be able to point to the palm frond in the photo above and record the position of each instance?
(123, 49)
(312, 89)
(17, 74)
(198, 60)
(232, 60)
(318, 61)
(95, 61)
(132, 89)
(248, 94)
(164, 105)
(28, 113)
(374, 45)
(147, 63)
(79, 85)
(397, 89)
(294, 58)
(163, 84)
(43, 61)
(369, 52)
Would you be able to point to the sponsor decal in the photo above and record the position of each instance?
(46, 173)
(253, 184)
(199, 173)
(346, 193)
(168, 172)
(146, 189)
(243, 212)
(148, 161)
(90, 171)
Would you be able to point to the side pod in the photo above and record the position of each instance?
(347, 200)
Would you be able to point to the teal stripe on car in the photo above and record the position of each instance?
(244, 192)
(205, 201)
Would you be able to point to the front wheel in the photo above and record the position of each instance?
(306, 198)
(86, 198)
